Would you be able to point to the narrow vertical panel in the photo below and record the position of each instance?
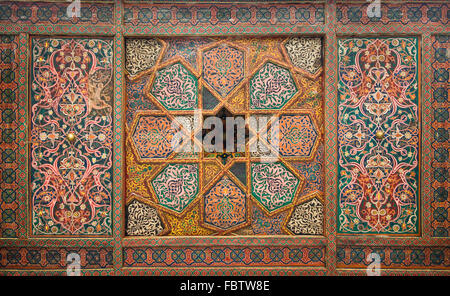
(378, 135)
(22, 134)
(427, 136)
(440, 143)
(118, 161)
(330, 106)
(12, 184)
(71, 136)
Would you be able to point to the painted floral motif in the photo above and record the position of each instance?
(305, 53)
(307, 218)
(175, 88)
(71, 136)
(297, 135)
(378, 135)
(143, 220)
(176, 186)
(225, 205)
(273, 185)
(141, 54)
(223, 68)
(271, 88)
(153, 137)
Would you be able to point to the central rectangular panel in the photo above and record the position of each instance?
(224, 136)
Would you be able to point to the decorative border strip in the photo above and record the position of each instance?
(118, 160)
(439, 188)
(57, 243)
(57, 29)
(394, 257)
(395, 272)
(226, 241)
(83, 272)
(361, 240)
(51, 13)
(11, 145)
(225, 14)
(399, 13)
(426, 135)
(54, 258)
(22, 132)
(223, 256)
(216, 1)
(226, 271)
(331, 165)
(220, 30)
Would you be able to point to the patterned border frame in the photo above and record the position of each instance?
(11, 205)
(436, 120)
(330, 28)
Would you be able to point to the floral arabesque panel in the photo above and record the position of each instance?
(71, 136)
(378, 135)
(175, 83)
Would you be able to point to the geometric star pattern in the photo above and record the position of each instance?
(198, 192)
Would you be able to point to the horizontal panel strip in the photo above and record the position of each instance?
(54, 258)
(223, 256)
(394, 257)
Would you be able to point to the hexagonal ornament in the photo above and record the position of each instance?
(297, 136)
(273, 185)
(152, 136)
(225, 205)
(176, 186)
(223, 68)
(271, 87)
(176, 88)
